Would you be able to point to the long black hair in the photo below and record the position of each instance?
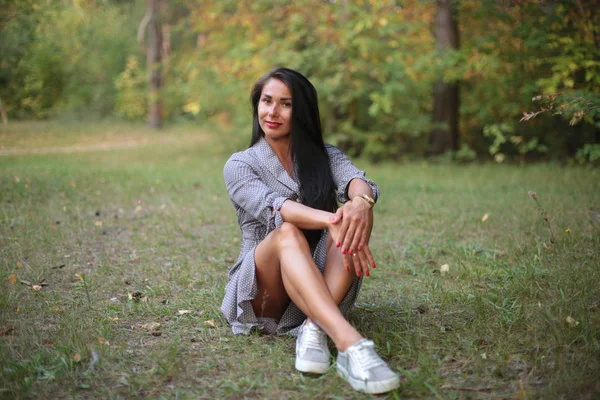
(311, 160)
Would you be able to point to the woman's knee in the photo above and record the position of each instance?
(290, 235)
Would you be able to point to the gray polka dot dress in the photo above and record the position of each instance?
(258, 185)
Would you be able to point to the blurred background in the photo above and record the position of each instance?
(502, 80)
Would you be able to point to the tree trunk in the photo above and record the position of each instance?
(446, 95)
(154, 59)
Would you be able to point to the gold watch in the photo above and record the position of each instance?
(367, 198)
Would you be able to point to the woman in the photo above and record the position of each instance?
(301, 263)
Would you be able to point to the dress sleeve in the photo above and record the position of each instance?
(247, 190)
(344, 171)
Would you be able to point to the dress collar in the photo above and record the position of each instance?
(271, 163)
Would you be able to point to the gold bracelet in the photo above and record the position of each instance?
(367, 198)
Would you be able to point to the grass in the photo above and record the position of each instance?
(133, 242)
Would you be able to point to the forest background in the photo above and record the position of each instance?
(396, 79)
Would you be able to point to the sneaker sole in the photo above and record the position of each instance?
(369, 387)
(311, 366)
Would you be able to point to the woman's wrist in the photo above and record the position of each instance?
(364, 198)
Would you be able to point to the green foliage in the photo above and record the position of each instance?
(504, 133)
(374, 64)
(131, 85)
(589, 153)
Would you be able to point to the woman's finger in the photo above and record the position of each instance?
(342, 234)
(358, 233)
(356, 264)
(364, 263)
(348, 236)
(347, 262)
(370, 258)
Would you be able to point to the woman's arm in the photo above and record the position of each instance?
(305, 217)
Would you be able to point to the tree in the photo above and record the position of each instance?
(152, 24)
(446, 94)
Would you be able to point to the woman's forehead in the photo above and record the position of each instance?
(276, 89)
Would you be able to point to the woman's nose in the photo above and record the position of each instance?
(273, 110)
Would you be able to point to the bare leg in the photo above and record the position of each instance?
(285, 253)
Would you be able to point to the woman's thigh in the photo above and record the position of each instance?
(272, 299)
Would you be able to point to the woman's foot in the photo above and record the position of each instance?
(312, 354)
(365, 370)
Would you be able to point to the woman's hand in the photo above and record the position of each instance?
(359, 260)
(357, 221)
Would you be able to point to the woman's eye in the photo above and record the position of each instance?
(266, 101)
(287, 105)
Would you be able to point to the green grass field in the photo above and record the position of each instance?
(114, 255)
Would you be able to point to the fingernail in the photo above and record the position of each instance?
(343, 251)
(338, 244)
(348, 269)
(360, 247)
(374, 266)
(367, 273)
(359, 273)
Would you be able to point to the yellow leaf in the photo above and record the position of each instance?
(78, 276)
(12, 278)
(76, 357)
(151, 326)
(37, 288)
(183, 312)
(568, 230)
(210, 323)
(485, 217)
(98, 223)
(571, 322)
(103, 341)
(19, 264)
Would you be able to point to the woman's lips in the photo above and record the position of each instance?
(272, 125)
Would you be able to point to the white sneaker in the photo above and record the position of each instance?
(365, 370)
(312, 354)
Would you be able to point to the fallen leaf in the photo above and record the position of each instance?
(19, 264)
(568, 230)
(151, 326)
(210, 323)
(183, 312)
(571, 322)
(485, 217)
(135, 296)
(37, 288)
(444, 269)
(44, 282)
(12, 278)
(79, 277)
(25, 282)
(76, 357)
(103, 341)
(114, 319)
(98, 223)
(7, 331)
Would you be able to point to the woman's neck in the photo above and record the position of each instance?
(282, 149)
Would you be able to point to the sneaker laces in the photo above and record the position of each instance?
(365, 356)
(313, 337)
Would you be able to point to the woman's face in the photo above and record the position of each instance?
(275, 110)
